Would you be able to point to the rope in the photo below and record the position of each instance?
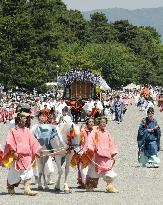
(46, 150)
(100, 165)
(54, 153)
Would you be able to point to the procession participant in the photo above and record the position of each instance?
(52, 103)
(33, 110)
(38, 105)
(1, 114)
(147, 104)
(112, 100)
(118, 108)
(141, 103)
(64, 116)
(125, 99)
(160, 100)
(85, 132)
(21, 149)
(59, 106)
(107, 109)
(136, 98)
(130, 98)
(15, 120)
(100, 155)
(46, 111)
(154, 96)
(99, 105)
(76, 111)
(52, 117)
(95, 111)
(6, 114)
(148, 140)
(43, 132)
(10, 113)
(88, 106)
(45, 102)
(145, 91)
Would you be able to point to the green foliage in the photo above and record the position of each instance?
(99, 30)
(139, 17)
(73, 56)
(30, 42)
(117, 63)
(124, 30)
(37, 35)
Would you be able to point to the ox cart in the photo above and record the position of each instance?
(79, 86)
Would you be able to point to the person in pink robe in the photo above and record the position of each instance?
(22, 147)
(101, 151)
(82, 172)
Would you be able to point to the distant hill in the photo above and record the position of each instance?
(141, 17)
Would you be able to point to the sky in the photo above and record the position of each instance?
(88, 5)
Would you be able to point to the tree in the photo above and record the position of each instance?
(147, 74)
(73, 56)
(125, 30)
(100, 31)
(30, 36)
(36, 35)
(143, 44)
(117, 63)
(12, 14)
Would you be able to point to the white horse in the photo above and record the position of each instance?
(44, 133)
(41, 163)
(72, 144)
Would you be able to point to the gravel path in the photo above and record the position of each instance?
(136, 185)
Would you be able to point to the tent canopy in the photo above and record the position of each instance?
(51, 84)
(131, 86)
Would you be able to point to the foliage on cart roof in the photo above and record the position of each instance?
(82, 75)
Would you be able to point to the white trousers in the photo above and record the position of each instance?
(15, 176)
(93, 174)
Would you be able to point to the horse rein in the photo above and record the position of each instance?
(100, 165)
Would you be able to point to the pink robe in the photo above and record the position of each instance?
(103, 146)
(25, 145)
(84, 138)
